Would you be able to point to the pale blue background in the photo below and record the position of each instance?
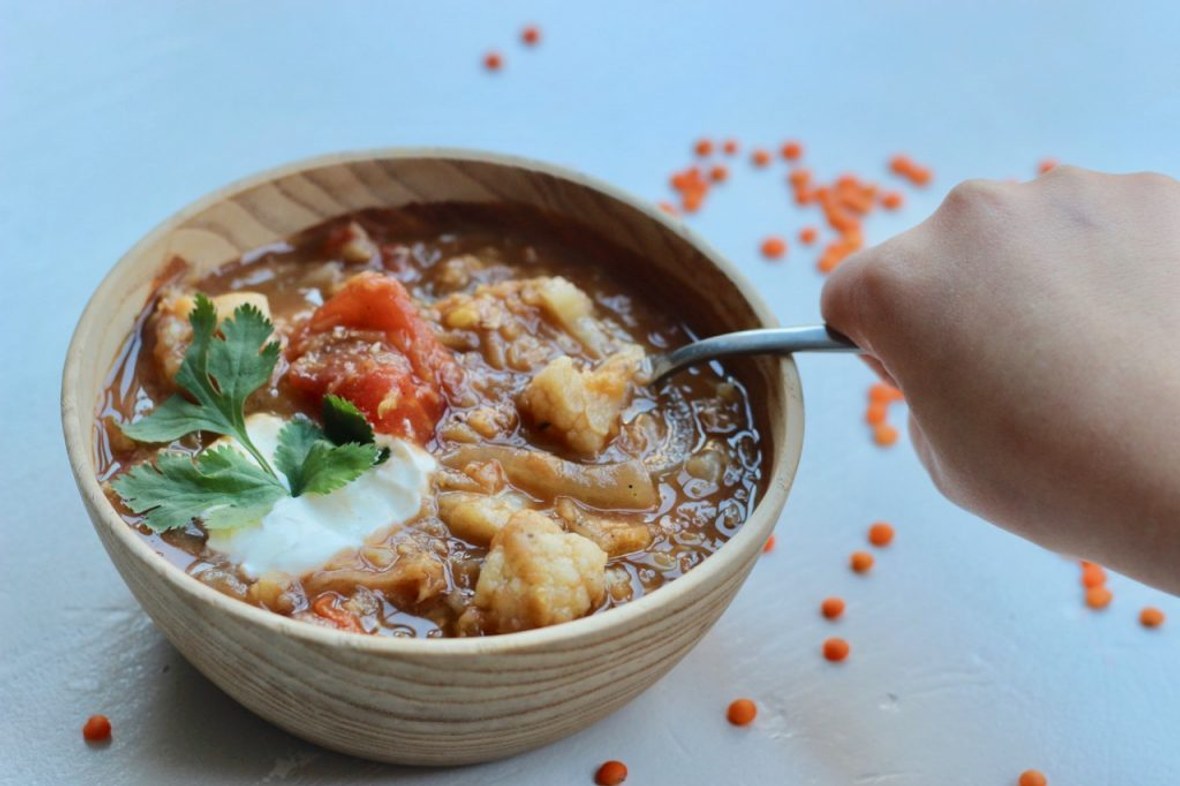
(972, 655)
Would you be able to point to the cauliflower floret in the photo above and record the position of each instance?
(537, 575)
(477, 517)
(572, 310)
(173, 331)
(582, 407)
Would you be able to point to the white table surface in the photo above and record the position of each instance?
(973, 657)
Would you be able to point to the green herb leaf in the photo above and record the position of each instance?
(220, 373)
(222, 487)
(329, 467)
(295, 441)
(313, 464)
(344, 423)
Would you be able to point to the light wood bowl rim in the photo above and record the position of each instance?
(78, 418)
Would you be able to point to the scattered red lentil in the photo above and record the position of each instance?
(774, 247)
(97, 729)
(880, 534)
(531, 35)
(692, 187)
(884, 393)
(836, 649)
(877, 413)
(1098, 597)
(904, 166)
(1032, 778)
(492, 61)
(741, 712)
(861, 561)
(1151, 617)
(832, 608)
(845, 201)
(1046, 165)
(885, 435)
(1092, 575)
(768, 546)
(611, 773)
(668, 208)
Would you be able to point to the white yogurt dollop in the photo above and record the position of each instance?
(302, 533)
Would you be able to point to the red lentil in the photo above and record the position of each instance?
(704, 148)
(774, 247)
(808, 235)
(836, 649)
(1032, 778)
(1151, 617)
(904, 166)
(730, 147)
(885, 435)
(861, 561)
(718, 174)
(832, 608)
(1093, 575)
(1098, 597)
(892, 200)
(760, 158)
(97, 729)
(792, 151)
(741, 712)
(768, 546)
(493, 61)
(611, 773)
(880, 534)
(1047, 165)
(531, 35)
(884, 393)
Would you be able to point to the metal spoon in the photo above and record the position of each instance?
(777, 341)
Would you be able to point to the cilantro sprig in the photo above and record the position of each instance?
(222, 486)
(219, 373)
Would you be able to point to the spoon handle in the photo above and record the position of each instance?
(776, 341)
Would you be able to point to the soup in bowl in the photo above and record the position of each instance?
(371, 439)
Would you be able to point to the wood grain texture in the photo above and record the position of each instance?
(437, 702)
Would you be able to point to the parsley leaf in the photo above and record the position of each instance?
(313, 464)
(221, 487)
(220, 373)
(344, 423)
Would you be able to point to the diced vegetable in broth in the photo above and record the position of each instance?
(503, 346)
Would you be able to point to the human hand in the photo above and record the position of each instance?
(1034, 331)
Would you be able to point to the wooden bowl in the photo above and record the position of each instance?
(449, 701)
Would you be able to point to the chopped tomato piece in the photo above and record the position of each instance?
(326, 606)
(368, 344)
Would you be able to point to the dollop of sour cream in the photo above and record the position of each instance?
(302, 533)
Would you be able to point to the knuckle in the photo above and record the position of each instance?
(859, 294)
(971, 196)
